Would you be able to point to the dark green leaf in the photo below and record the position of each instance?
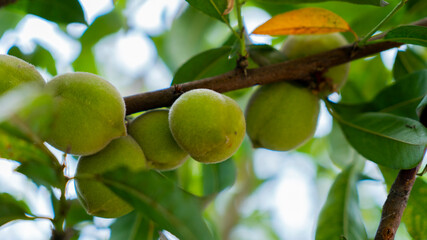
(407, 62)
(402, 97)
(206, 64)
(41, 174)
(76, 214)
(134, 226)
(408, 34)
(380, 3)
(160, 200)
(12, 209)
(421, 111)
(386, 139)
(415, 212)
(217, 177)
(265, 55)
(60, 11)
(340, 217)
(39, 57)
(213, 8)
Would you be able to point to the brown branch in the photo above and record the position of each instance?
(300, 69)
(396, 203)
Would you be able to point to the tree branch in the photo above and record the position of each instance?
(396, 203)
(302, 69)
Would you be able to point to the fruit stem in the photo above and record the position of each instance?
(375, 29)
(242, 38)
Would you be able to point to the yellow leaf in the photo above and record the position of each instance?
(304, 21)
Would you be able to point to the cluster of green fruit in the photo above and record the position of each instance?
(89, 121)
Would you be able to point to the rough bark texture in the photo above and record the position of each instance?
(396, 203)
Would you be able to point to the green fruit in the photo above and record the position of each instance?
(88, 113)
(208, 125)
(96, 198)
(281, 116)
(151, 131)
(14, 71)
(298, 46)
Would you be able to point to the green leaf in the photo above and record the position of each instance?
(104, 25)
(367, 77)
(403, 96)
(39, 57)
(134, 226)
(340, 151)
(76, 214)
(415, 212)
(386, 139)
(380, 3)
(8, 20)
(18, 149)
(217, 177)
(59, 11)
(160, 200)
(407, 62)
(213, 8)
(12, 209)
(265, 55)
(41, 174)
(408, 34)
(206, 64)
(340, 217)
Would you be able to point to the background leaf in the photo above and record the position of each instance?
(303, 21)
(416, 211)
(340, 151)
(213, 8)
(60, 11)
(340, 217)
(265, 55)
(76, 214)
(206, 64)
(408, 34)
(12, 209)
(161, 200)
(134, 226)
(40, 57)
(407, 62)
(217, 177)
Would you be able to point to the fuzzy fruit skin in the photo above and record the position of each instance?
(88, 113)
(281, 116)
(298, 46)
(96, 198)
(151, 131)
(14, 71)
(208, 125)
